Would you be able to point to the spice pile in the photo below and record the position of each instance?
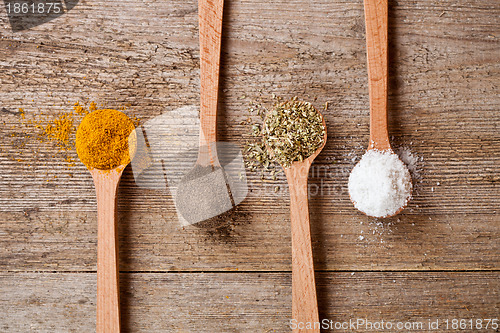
(280, 135)
(293, 131)
(380, 184)
(255, 152)
(43, 135)
(102, 139)
(60, 129)
(56, 130)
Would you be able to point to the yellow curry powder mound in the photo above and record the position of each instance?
(102, 139)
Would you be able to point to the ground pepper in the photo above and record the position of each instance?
(102, 139)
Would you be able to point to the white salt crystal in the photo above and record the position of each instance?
(407, 157)
(380, 184)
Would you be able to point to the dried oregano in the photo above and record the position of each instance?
(293, 131)
(255, 152)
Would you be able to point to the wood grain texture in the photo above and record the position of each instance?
(443, 96)
(376, 25)
(210, 31)
(67, 241)
(243, 302)
(108, 289)
(304, 300)
(426, 107)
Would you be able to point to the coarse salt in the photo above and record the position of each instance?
(380, 184)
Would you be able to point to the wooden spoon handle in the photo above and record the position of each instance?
(304, 301)
(210, 23)
(376, 21)
(108, 292)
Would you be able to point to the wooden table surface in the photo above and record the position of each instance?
(439, 259)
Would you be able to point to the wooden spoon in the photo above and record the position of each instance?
(104, 139)
(210, 24)
(376, 21)
(203, 192)
(304, 299)
(108, 292)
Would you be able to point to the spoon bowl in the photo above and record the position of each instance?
(398, 178)
(313, 156)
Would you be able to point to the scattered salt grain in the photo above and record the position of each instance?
(380, 184)
(411, 160)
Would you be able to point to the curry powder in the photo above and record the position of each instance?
(102, 139)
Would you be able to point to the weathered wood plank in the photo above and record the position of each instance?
(457, 175)
(444, 92)
(237, 302)
(323, 40)
(444, 97)
(66, 241)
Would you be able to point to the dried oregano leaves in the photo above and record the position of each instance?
(293, 131)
